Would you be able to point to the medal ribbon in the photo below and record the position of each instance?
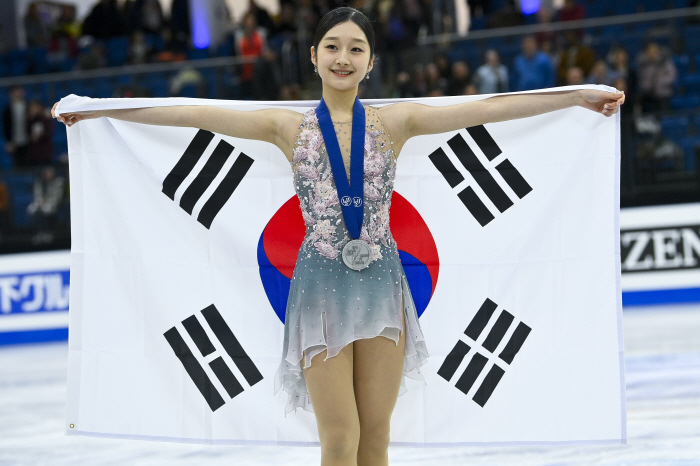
(350, 194)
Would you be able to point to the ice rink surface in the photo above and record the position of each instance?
(663, 405)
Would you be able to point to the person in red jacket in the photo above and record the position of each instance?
(250, 44)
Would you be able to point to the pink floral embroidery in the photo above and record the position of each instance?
(313, 179)
(327, 250)
(308, 172)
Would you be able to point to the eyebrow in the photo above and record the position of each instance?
(353, 40)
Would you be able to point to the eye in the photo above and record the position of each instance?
(358, 49)
(330, 45)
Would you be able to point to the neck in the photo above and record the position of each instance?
(340, 103)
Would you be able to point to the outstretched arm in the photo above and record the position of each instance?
(422, 119)
(276, 126)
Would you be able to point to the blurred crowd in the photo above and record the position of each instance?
(546, 58)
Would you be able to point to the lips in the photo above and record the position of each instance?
(341, 73)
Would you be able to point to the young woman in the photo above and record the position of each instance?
(348, 287)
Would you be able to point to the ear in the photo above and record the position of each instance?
(371, 64)
(313, 55)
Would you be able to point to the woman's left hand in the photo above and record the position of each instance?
(607, 103)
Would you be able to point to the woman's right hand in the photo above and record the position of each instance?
(72, 118)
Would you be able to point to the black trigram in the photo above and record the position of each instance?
(217, 364)
(478, 361)
(206, 176)
(481, 175)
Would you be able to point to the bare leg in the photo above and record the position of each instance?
(332, 396)
(378, 370)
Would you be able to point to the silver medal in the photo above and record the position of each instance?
(357, 254)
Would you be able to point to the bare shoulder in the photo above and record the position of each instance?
(395, 118)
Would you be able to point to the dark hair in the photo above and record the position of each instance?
(342, 15)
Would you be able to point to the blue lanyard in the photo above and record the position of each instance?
(351, 195)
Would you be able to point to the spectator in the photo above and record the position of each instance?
(533, 68)
(571, 11)
(62, 48)
(95, 57)
(188, 77)
(174, 48)
(434, 80)
(403, 86)
(139, 50)
(290, 92)
(5, 209)
(48, 196)
(41, 126)
(459, 78)
(545, 39)
(286, 24)
(419, 87)
(413, 16)
(180, 21)
(574, 54)
(657, 74)
(621, 85)
(267, 76)
(601, 74)
(508, 16)
(396, 39)
(15, 126)
(34, 27)
(262, 17)
(574, 76)
(444, 64)
(471, 89)
(67, 23)
(620, 64)
(492, 76)
(104, 21)
(150, 14)
(249, 43)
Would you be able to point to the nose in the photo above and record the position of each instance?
(341, 58)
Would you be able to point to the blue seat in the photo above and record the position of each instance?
(5, 159)
(653, 5)
(20, 202)
(159, 88)
(60, 135)
(197, 54)
(691, 82)
(21, 183)
(625, 7)
(155, 41)
(691, 34)
(682, 63)
(117, 51)
(597, 9)
(39, 63)
(103, 90)
(675, 127)
(690, 144)
(19, 62)
(685, 101)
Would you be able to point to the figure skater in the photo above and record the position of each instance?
(351, 329)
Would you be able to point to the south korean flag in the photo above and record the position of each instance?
(183, 247)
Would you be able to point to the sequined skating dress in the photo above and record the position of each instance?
(329, 304)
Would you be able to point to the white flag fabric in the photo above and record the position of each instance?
(180, 262)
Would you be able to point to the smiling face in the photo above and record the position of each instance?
(343, 56)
